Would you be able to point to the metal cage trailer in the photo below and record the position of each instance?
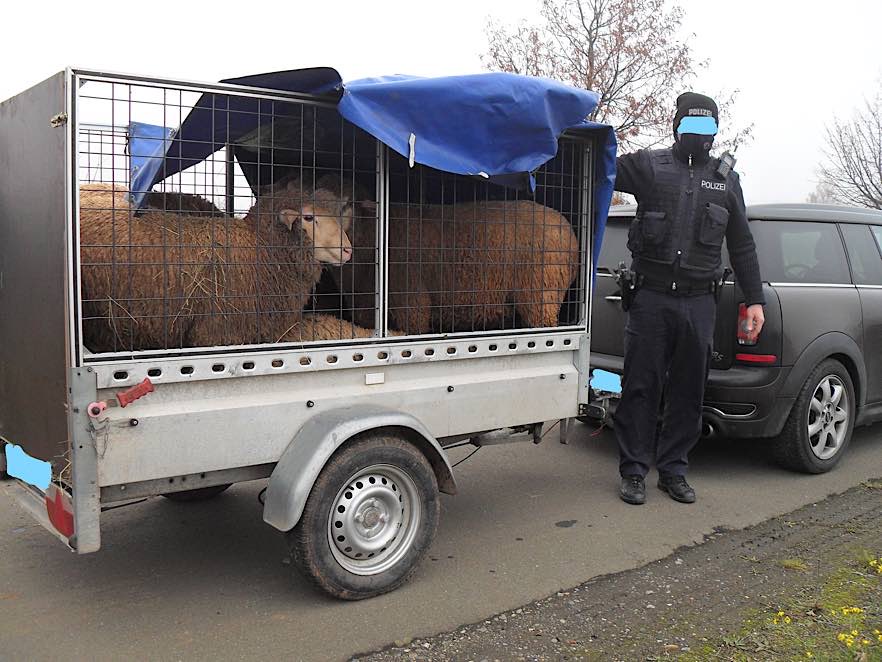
(286, 277)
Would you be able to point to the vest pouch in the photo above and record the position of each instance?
(713, 225)
(647, 230)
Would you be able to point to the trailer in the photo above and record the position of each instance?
(148, 343)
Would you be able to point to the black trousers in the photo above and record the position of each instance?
(668, 344)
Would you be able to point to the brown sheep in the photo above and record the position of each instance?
(103, 196)
(498, 258)
(95, 196)
(187, 203)
(164, 280)
(318, 326)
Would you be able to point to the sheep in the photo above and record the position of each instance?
(96, 196)
(162, 279)
(186, 203)
(104, 196)
(319, 326)
(496, 260)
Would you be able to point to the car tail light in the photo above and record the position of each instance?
(743, 335)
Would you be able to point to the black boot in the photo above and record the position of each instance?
(633, 490)
(677, 488)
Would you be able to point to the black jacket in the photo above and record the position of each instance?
(683, 213)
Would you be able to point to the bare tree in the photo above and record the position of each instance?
(628, 51)
(823, 194)
(854, 153)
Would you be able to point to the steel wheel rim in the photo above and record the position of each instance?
(374, 519)
(828, 417)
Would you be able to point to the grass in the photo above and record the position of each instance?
(839, 621)
(794, 564)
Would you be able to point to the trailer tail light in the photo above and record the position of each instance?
(756, 358)
(743, 336)
(60, 510)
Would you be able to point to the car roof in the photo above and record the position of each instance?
(814, 212)
(802, 211)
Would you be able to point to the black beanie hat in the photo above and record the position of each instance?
(695, 105)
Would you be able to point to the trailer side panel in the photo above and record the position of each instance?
(34, 346)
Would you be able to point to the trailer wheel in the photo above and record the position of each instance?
(368, 520)
(199, 494)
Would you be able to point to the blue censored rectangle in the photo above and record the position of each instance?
(601, 380)
(703, 126)
(29, 469)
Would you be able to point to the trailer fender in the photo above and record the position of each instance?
(318, 439)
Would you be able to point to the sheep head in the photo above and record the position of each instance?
(321, 216)
(358, 204)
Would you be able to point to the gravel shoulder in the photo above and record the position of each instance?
(799, 586)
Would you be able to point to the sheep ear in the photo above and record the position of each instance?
(288, 217)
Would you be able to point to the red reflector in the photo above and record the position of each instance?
(60, 511)
(756, 358)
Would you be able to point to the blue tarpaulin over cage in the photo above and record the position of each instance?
(497, 126)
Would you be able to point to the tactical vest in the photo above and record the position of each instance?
(682, 219)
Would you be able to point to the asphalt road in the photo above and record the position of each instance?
(209, 580)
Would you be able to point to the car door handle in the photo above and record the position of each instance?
(613, 297)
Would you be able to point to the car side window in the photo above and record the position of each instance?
(866, 262)
(614, 248)
(800, 252)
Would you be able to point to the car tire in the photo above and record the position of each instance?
(820, 425)
(199, 494)
(369, 519)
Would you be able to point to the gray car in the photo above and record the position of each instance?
(816, 370)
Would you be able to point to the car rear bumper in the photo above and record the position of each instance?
(741, 402)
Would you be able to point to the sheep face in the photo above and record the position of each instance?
(330, 242)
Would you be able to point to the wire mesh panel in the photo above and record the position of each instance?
(467, 256)
(227, 250)
(217, 218)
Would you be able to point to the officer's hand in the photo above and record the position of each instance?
(755, 321)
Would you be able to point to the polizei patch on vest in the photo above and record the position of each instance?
(714, 186)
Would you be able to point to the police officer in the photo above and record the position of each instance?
(687, 202)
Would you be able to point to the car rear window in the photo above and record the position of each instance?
(800, 252)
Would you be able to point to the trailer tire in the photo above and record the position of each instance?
(199, 494)
(369, 519)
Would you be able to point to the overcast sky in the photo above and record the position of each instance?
(797, 63)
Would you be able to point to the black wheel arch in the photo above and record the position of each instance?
(833, 345)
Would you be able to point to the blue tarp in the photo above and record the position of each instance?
(147, 147)
(497, 126)
(487, 124)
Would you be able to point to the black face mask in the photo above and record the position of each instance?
(698, 146)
